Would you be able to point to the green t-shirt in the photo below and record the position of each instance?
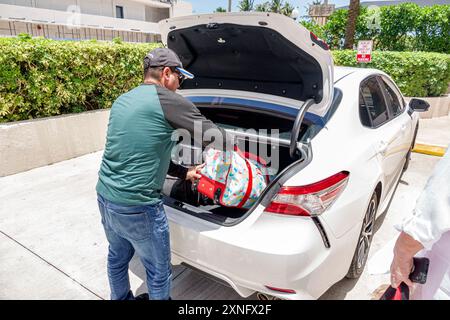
(139, 143)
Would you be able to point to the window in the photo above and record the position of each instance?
(394, 100)
(363, 111)
(373, 111)
(119, 12)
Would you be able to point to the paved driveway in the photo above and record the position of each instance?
(52, 244)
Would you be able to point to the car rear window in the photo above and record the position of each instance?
(373, 101)
(394, 103)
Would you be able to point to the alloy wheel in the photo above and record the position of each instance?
(366, 236)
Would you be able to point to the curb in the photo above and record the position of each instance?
(429, 149)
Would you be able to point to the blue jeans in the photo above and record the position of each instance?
(143, 229)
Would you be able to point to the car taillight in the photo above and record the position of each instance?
(309, 200)
(281, 290)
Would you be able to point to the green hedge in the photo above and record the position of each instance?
(418, 74)
(40, 78)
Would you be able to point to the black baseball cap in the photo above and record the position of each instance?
(165, 57)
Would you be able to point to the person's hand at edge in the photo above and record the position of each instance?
(405, 249)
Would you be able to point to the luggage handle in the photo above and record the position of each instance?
(217, 194)
(249, 186)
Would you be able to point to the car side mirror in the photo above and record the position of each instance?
(419, 105)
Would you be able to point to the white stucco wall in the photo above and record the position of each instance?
(25, 145)
(156, 14)
(131, 10)
(18, 2)
(61, 5)
(99, 7)
(28, 14)
(182, 8)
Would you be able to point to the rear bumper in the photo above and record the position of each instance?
(263, 250)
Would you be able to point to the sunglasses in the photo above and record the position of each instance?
(180, 76)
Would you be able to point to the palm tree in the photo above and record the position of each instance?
(287, 9)
(353, 13)
(277, 6)
(246, 5)
(263, 7)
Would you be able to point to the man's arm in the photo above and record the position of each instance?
(180, 113)
(176, 170)
(181, 172)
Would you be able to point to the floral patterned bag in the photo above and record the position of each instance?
(233, 179)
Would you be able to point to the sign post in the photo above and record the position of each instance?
(364, 54)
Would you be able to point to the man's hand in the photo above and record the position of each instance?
(193, 173)
(405, 249)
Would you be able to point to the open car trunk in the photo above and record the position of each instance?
(273, 149)
(253, 55)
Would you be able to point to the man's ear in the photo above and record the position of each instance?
(165, 72)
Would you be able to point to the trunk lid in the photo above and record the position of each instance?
(258, 53)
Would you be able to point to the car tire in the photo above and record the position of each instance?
(408, 155)
(364, 240)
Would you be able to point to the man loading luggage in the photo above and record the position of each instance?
(135, 162)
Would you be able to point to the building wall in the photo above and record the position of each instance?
(60, 5)
(131, 10)
(50, 19)
(52, 24)
(27, 3)
(182, 8)
(99, 7)
(156, 14)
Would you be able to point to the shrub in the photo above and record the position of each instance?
(41, 77)
(433, 29)
(418, 74)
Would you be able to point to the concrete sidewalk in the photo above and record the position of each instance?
(434, 131)
(52, 244)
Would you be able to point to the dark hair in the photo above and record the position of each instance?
(153, 72)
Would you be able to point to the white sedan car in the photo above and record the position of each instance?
(345, 135)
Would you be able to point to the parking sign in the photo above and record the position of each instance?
(364, 54)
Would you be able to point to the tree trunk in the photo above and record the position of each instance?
(353, 13)
(229, 5)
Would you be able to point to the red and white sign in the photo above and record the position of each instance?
(364, 54)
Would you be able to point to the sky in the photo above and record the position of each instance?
(208, 6)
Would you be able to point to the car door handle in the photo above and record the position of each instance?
(382, 147)
(404, 127)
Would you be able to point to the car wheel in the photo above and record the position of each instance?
(408, 155)
(364, 240)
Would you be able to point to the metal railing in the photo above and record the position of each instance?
(62, 32)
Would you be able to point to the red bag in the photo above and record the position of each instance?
(401, 293)
(216, 190)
